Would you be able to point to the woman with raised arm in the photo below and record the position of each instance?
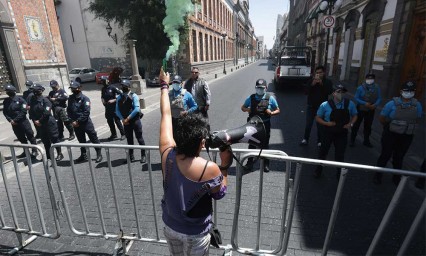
(190, 182)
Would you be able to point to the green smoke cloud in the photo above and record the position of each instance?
(176, 12)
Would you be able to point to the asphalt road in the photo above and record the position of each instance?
(363, 204)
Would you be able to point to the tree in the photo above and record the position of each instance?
(141, 18)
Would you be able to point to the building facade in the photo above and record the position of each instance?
(30, 44)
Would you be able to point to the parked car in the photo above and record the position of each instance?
(83, 74)
(105, 71)
(293, 66)
(153, 80)
(126, 74)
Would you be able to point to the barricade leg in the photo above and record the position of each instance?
(22, 243)
(122, 246)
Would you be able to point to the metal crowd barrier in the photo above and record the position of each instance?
(30, 218)
(126, 225)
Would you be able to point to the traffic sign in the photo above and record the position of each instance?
(329, 21)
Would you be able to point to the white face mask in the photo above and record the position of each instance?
(369, 81)
(407, 95)
(260, 91)
(176, 86)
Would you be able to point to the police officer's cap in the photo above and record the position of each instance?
(74, 84)
(125, 83)
(340, 87)
(53, 83)
(177, 79)
(38, 87)
(29, 83)
(261, 83)
(10, 88)
(409, 86)
(370, 76)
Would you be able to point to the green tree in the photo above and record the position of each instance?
(141, 18)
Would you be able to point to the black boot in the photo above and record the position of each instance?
(59, 157)
(249, 165)
(72, 136)
(132, 159)
(143, 157)
(82, 158)
(112, 137)
(22, 155)
(98, 155)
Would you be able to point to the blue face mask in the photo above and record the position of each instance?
(176, 86)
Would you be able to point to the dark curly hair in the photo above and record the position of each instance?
(114, 76)
(188, 133)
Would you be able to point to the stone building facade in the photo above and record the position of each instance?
(31, 44)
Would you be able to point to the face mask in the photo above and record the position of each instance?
(407, 95)
(369, 81)
(338, 96)
(176, 87)
(260, 91)
(38, 93)
(75, 91)
(125, 89)
(11, 94)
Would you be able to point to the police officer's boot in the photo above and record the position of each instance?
(249, 165)
(59, 157)
(72, 136)
(98, 155)
(143, 157)
(82, 158)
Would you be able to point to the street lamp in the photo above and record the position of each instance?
(327, 5)
(224, 35)
(109, 30)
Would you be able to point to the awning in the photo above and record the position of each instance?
(314, 13)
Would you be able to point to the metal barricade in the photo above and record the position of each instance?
(27, 210)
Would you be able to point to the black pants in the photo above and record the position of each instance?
(338, 139)
(368, 117)
(24, 132)
(135, 125)
(265, 144)
(61, 117)
(111, 119)
(89, 129)
(393, 145)
(311, 112)
(49, 134)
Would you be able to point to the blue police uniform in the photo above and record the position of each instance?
(108, 93)
(371, 94)
(59, 101)
(181, 100)
(397, 133)
(341, 113)
(79, 111)
(15, 109)
(258, 105)
(40, 110)
(127, 106)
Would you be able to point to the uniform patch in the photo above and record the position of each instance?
(87, 103)
(24, 106)
(48, 108)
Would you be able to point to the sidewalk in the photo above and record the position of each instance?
(414, 157)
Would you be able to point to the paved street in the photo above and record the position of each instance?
(363, 203)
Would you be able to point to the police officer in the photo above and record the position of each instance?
(367, 97)
(337, 116)
(79, 113)
(15, 111)
(29, 92)
(264, 105)
(181, 101)
(109, 94)
(128, 110)
(40, 113)
(200, 91)
(399, 118)
(59, 98)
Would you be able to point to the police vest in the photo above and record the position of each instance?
(404, 121)
(176, 103)
(371, 95)
(125, 105)
(340, 116)
(258, 107)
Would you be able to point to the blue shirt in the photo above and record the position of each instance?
(136, 106)
(189, 103)
(389, 110)
(325, 109)
(362, 89)
(273, 104)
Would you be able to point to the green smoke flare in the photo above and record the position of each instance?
(176, 12)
